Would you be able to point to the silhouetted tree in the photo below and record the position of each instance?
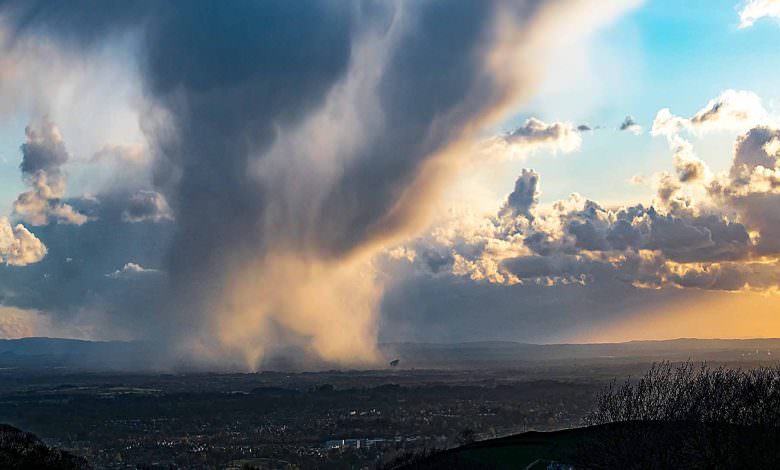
(687, 416)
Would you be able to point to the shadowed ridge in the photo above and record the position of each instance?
(23, 450)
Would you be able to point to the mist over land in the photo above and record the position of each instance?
(136, 356)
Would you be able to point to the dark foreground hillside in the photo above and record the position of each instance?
(22, 450)
(675, 416)
(512, 452)
(639, 444)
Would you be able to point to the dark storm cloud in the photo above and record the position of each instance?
(228, 74)
(426, 95)
(232, 80)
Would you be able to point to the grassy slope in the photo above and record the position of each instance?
(638, 444)
(512, 452)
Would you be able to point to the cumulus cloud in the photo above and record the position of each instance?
(751, 187)
(44, 150)
(666, 123)
(756, 148)
(19, 246)
(688, 166)
(132, 271)
(631, 126)
(753, 10)
(733, 110)
(535, 135)
(703, 231)
(43, 155)
(577, 242)
(524, 197)
(147, 206)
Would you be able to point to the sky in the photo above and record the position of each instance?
(251, 181)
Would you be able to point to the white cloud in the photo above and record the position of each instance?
(40, 205)
(19, 246)
(666, 123)
(732, 110)
(753, 10)
(43, 155)
(131, 271)
(631, 126)
(688, 166)
(535, 135)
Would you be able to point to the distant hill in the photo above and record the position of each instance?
(22, 450)
(36, 353)
(477, 354)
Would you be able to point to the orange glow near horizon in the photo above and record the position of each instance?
(711, 315)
